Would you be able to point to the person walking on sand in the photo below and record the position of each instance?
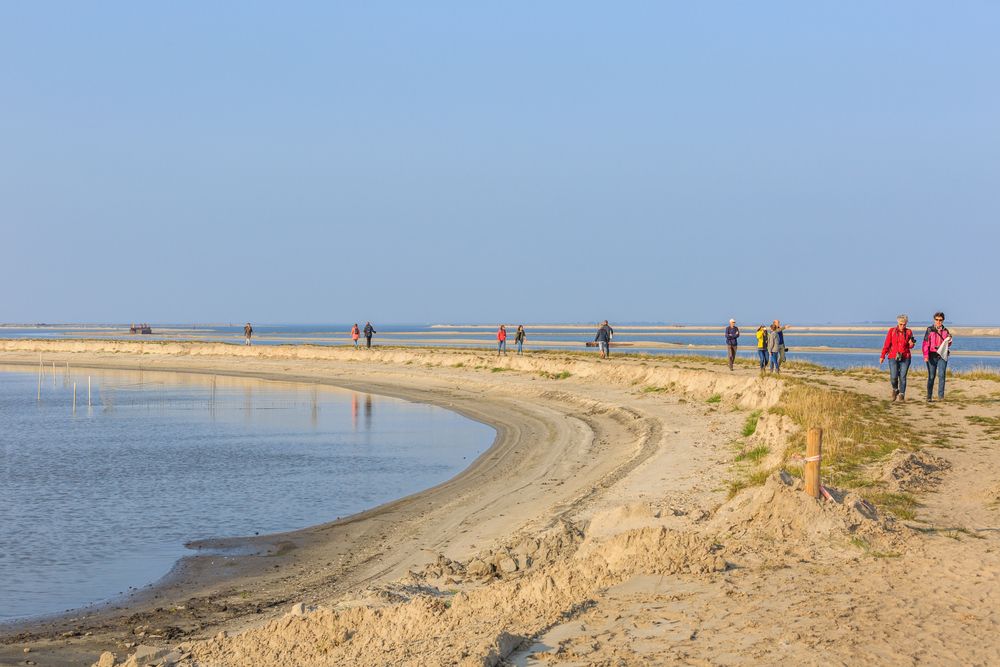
(369, 332)
(247, 333)
(936, 348)
(774, 347)
(762, 347)
(519, 338)
(898, 343)
(355, 335)
(777, 329)
(732, 341)
(603, 338)
(502, 340)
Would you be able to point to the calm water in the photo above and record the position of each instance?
(94, 502)
(863, 344)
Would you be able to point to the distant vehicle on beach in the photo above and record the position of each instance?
(140, 329)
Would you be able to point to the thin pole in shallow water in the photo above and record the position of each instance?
(39, 378)
(88, 392)
(74, 398)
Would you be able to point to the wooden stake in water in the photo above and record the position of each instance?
(74, 398)
(814, 454)
(39, 379)
(88, 392)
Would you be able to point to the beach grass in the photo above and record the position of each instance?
(991, 424)
(750, 425)
(754, 455)
(859, 431)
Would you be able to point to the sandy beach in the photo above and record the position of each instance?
(602, 527)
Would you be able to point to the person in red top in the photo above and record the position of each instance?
(502, 340)
(898, 343)
(355, 334)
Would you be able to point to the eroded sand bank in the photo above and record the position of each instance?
(596, 530)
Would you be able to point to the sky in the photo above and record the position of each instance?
(484, 162)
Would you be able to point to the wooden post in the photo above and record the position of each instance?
(88, 392)
(74, 398)
(39, 378)
(814, 454)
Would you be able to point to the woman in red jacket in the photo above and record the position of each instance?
(502, 340)
(898, 343)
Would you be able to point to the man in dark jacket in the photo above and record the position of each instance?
(603, 338)
(732, 338)
(369, 332)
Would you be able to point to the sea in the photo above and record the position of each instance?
(99, 496)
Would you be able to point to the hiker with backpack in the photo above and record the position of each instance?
(355, 335)
(936, 348)
(603, 338)
(898, 342)
(369, 332)
(502, 340)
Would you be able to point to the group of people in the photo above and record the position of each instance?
(770, 345)
(603, 339)
(519, 337)
(369, 331)
(898, 346)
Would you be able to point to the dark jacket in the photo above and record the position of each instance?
(604, 334)
(732, 334)
(369, 330)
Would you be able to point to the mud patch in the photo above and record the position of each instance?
(913, 471)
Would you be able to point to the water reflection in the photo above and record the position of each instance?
(170, 457)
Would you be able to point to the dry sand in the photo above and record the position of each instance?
(596, 530)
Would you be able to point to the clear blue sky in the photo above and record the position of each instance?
(543, 161)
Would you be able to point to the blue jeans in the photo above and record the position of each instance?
(897, 374)
(763, 358)
(936, 366)
(605, 347)
(501, 346)
(776, 361)
(520, 346)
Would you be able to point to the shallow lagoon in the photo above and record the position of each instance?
(103, 499)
